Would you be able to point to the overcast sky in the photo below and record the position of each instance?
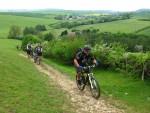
(116, 5)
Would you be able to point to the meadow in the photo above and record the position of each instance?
(125, 26)
(23, 89)
(6, 21)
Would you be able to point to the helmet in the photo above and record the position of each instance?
(87, 47)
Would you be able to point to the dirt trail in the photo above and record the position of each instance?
(81, 100)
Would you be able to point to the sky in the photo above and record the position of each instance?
(115, 5)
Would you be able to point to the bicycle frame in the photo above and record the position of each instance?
(87, 76)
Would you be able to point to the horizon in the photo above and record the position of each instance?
(50, 9)
(75, 5)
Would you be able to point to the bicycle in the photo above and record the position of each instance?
(37, 59)
(87, 78)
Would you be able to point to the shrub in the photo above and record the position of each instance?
(63, 33)
(49, 36)
(63, 50)
(29, 30)
(40, 28)
(15, 32)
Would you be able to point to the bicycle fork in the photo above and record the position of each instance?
(90, 80)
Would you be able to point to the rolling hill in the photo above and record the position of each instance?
(8, 20)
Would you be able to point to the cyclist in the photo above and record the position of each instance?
(38, 52)
(29, 49)
(83, 58)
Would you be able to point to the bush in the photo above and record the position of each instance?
(40, 28)
(49, 36)
(15, 32)
(115, 57)
(29, 30)
(34, 30)
(63, 33)
(63, 50)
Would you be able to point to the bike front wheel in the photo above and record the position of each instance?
(95, 88)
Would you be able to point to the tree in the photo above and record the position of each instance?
(65, 32)
(29, 30)
(15, 32)
(40, 28)
(48, 37)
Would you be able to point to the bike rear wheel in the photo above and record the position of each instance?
(38, 60)
(95, 89)
(82, 84)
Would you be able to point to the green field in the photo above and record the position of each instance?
(23, 89)
(134, 94)
(146, 32)
(8, 20)
(126, 26)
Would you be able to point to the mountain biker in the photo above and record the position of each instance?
(38, 51)
(29, 49)
(83, 58)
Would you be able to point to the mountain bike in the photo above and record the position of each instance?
(37, 58)
(87, 78)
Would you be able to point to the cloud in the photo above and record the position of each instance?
(117, 5)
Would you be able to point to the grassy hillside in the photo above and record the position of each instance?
(8, 20)
(23, 89)
(32, 19)
(133, 93)
(145, 31)
(127, 26)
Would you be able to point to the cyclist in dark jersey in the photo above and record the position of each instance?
(29, 49)
(84, 58)
(38, 52)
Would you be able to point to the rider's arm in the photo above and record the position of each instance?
(94, 61)
(76, 63)
(27, 47)
(77, 57)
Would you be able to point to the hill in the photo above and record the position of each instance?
(8, 20)
(126, 26)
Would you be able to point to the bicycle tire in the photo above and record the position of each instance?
(96, 87)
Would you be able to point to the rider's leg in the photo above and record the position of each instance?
(28, 54)
(78, 74)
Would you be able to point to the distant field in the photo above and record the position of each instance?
(127, 26)
(8, 20)
(146, 31)
(25, 19)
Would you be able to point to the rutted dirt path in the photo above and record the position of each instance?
(83, 101)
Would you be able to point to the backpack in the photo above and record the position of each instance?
(39, 49)
(29, 47)
(79, 50)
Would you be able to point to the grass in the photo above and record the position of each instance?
(127, 26)
(134, 94)
(8, 20)
(146, 32)
(23, 89)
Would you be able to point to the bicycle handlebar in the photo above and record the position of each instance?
(89, 67)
